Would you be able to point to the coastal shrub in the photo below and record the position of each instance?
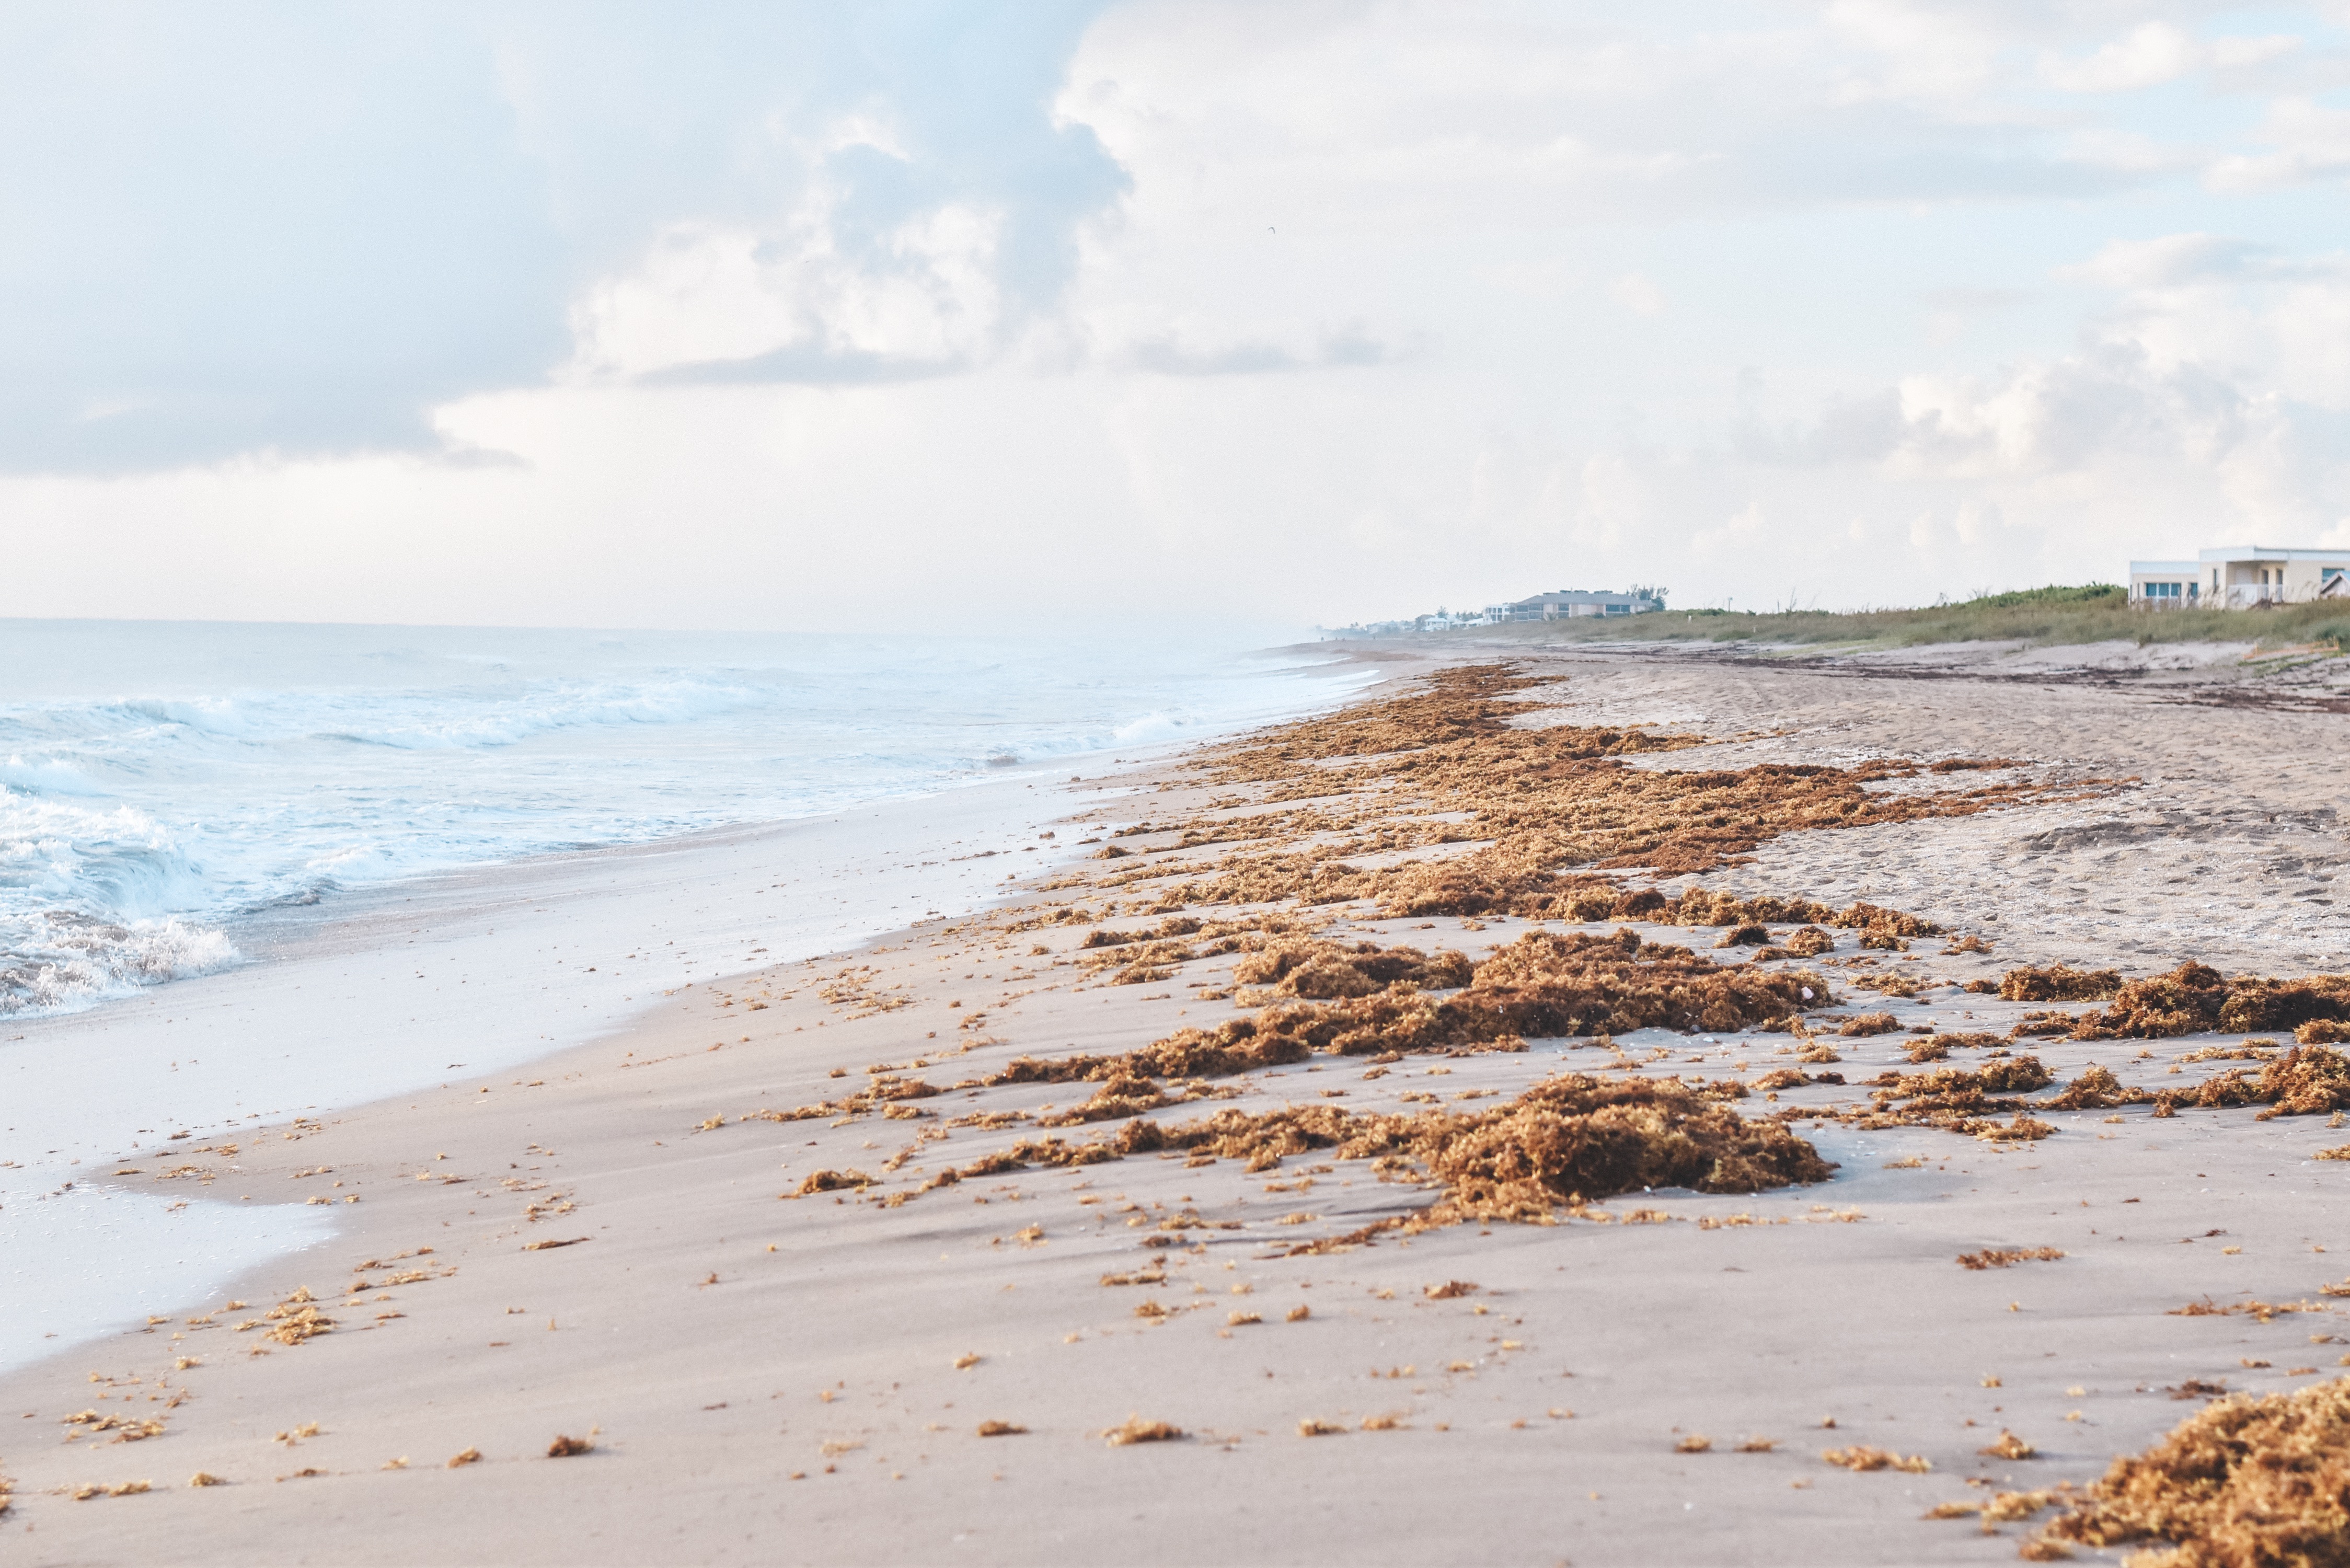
(2245, 1481)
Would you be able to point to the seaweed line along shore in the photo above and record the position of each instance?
(1715, 1112)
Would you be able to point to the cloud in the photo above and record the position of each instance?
(936, 310)
(2148, 55)
(1347, 349)
(287, 229)
(2167, 261)
(2305, 141)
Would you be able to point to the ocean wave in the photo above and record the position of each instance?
(59, 961)
(115, 861)
(318, 762)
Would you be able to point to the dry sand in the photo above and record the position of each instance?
(805, 1379)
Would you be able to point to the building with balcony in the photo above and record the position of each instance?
(2240, 576)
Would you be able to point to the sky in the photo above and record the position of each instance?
(1090, 313)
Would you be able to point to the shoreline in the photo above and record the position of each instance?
(744, 1354)
(185, 1057)
(181, 1058)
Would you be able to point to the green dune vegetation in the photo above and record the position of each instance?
(2052, 615)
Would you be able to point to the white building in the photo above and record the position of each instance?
(2238, 577)
(1569, 603)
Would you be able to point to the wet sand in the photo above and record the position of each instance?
(763, 1376)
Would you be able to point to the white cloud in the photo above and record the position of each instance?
(1637, 294)
(797, 301)
(2156, 52)
(2150, 54)
(2304, 142)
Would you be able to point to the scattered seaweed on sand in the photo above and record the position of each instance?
(565, 1448)
(2245, 1481)
(2006, 1257)
(1315, 1426)
(1324, 971)
(2008, 1447)
(1002, 1429)
(1135, 1430)
(1447, 763)
(2060, 983)
(886, 1094)
(2196, 999)
(1546, 984)
(1861, 1457)
(292, 1320)
(2263, 1311)
(2308, 1080)
(1569, 1140)
(466, 1457)
(1695, 1443)
(2094, 1090)
(831, 1181)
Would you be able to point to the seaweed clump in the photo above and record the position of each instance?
(2244, 1481)
(2308, 1080)
(2195, 999)
(1546, 984)
(1573, 1139)
(2060, 983)
(1324, 971)
(1569, 1140)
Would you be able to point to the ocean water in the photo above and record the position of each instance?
(163, 786)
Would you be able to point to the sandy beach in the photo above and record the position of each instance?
(789, 1251)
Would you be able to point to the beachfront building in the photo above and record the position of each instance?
(2241, 576)
(2165, 584)
(1567, 603)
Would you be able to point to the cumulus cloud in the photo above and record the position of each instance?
(279, 228)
